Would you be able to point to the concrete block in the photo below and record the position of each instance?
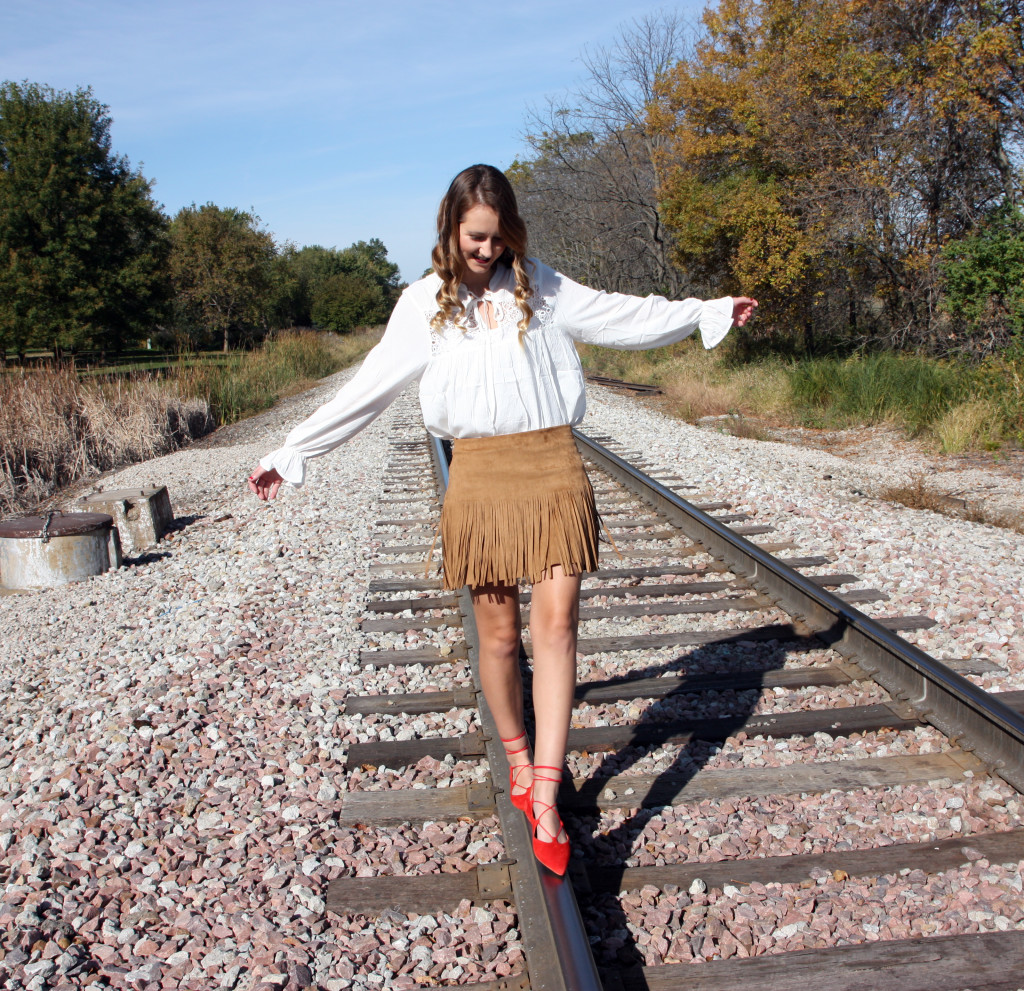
(142, 516)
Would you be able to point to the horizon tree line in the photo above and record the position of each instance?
(89, 260)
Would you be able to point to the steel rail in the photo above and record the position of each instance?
(557, 949)
(972, 718)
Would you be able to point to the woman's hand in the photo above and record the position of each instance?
(265, 482)
(742, 309)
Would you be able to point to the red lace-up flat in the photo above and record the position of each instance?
(552, 853)
(522, 800)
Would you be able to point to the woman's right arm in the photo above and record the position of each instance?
(400, 357)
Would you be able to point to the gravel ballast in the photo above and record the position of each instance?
(171, 762)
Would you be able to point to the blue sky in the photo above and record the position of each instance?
(333, 121)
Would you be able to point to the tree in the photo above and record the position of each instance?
(346, 301)
(368, 260)
(821, 152)
(589, 191)
(314, 291)
(300, 273)
(222, 268)
(82, 244)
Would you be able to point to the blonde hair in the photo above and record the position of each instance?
(486, 185)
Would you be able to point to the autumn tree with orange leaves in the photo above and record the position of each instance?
(819, 154)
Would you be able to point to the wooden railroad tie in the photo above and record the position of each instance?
(423, 894)
(590, 796)
(936, 963)
(931, 857)
(656, 687)
(674, 732)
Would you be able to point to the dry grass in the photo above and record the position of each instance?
(741, 426)
(54, 429)
(975, 425)
(696, 382)
(918, 494)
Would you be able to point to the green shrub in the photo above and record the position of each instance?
(983, 279)
(1000, 380)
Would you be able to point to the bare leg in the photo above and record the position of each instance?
(554, 618)
(498, 624)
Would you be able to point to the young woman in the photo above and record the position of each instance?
(490, 334)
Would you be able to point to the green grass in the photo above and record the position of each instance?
(910, 391)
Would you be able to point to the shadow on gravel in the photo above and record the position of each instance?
(665, 722)
(184, 522)
(150, 557)
(178, 525)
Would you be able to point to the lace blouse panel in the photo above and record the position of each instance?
(474, 326)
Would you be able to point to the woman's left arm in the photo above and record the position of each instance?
(616, 320)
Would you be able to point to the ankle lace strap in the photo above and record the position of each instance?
(546, 767)
(513, 739)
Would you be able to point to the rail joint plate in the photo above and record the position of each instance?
(494, 881)
(480, 797)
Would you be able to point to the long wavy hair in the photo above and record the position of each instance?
(486, 185)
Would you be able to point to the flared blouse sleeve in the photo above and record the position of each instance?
(400, 357)
(635, 323)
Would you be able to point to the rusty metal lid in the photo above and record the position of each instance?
(55, 525)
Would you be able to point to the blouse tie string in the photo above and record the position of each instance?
(471, 321)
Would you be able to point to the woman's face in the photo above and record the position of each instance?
(480, 240)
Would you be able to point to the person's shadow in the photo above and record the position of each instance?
(752, 658)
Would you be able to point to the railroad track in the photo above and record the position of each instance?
(708, 664)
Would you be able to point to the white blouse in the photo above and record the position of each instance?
(478, 381)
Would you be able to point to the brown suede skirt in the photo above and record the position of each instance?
(516, 506)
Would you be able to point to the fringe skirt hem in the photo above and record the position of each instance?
(517, 506)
